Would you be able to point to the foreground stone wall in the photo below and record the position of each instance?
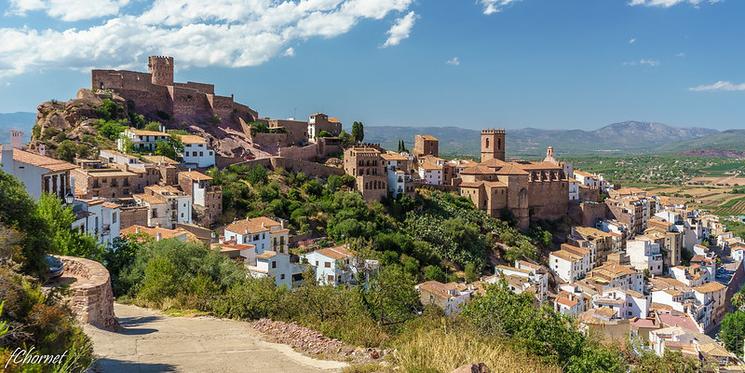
(91, 297)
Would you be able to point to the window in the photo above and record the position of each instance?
(330, 279)
(282, 276)
(201, 154)
(327, 264)
(274, 264)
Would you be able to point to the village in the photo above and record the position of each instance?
(635, 267)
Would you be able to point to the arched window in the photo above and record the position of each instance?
(499, 143)
(487, 143)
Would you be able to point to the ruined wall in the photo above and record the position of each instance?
(91, 297)
(269, 142)
(201, 87)
(189, 104)
(308, 152)
(296, 165)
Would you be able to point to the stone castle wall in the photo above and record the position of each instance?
(91, 297)
(296, 165)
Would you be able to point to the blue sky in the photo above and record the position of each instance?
(528, 63)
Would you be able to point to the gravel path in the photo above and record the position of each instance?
(149, 341)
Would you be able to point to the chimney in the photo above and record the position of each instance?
(16, 139)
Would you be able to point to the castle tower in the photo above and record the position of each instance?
(492, 144)
(550, 155)
(161, 68)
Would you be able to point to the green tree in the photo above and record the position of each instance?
(152, 126)
(672, 361)
(67, 151)
(390, 296)
(110, 129)
(596, 359)
(358, 131)
(18, 212)
(64, 240)
(434, 273)
(471, 272)
(732, 331)
(169, 148)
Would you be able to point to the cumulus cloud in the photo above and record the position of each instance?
(670, 3)
(195, 32)
(455, 61)
(495, 6)
(632, 40)
(289, 52)
(400, 29)
(68, 10)
(719, 86)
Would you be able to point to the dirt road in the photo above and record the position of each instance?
(152, 342)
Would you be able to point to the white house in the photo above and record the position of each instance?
(431, 170)
(274, 265)
(694, 275)
(450, 297)
(568, 265)
(524, 276)
(38, 173)
(645, 255)
(141, 140)
(570, 303)
(262, 232)
(167, 206)
(98, 218)
(399, 179)
(737, 252)
(333, 265)
(197, 152)
(625, 303)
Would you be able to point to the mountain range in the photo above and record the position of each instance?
(630, 137)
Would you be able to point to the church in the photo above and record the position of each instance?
(528, 191)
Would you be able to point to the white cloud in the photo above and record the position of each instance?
(68, 10)
(643, 62)
(670, 3)
(495, 6)
(632, 40)
(289, 52)
(400, 29)
(195, 32)
(455, 61)
(680, 55)
(719, 86)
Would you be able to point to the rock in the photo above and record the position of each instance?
(472, 368)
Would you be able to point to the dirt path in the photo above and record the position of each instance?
(152, 342)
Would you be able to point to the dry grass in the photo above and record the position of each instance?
(439, 351)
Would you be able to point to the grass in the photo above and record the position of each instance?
(441, 351)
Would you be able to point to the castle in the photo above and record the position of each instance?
(156, 94)
(529, 191)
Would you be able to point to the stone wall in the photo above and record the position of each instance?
(312, 169)
(91, 297)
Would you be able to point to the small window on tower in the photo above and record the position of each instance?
(487, 143)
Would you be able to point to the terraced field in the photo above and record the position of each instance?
(734, 206)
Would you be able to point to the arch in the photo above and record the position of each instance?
(487, 143)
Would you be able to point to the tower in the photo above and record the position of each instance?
(161, 69)
(492, 144)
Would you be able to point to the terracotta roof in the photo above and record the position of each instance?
(155, 231)
(268, 254)
(232, 246)
(195, 175)
(147, 133)
(566, 255)
(710, 287)
(255, 225)
(468, 184)
(715, 349)
(192, 139)
(439, 289)
(493, 163)
(110, 205)
(511, 169)
(393, 157)
(336, 252)
(50, 164)
(159, 159)
(682, 321)
(150, 199)
(564, 299)
(428, 137)
(538, 166)
(477, 170)
(575, 249)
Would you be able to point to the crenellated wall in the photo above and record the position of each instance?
(91, 297)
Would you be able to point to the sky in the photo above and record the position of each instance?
(469, 63)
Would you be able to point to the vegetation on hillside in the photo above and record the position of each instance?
(30, 317)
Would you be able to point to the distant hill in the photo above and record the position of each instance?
(616, 138)
(729, 140)
(21, 120)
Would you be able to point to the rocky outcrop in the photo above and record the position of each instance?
(314, 343)
(90, 296)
